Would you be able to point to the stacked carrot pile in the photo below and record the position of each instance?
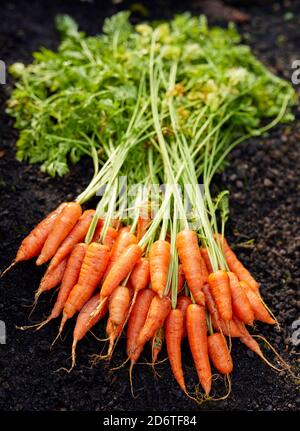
(159, 267)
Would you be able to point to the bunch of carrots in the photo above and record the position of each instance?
(118, 277)
(159, 269)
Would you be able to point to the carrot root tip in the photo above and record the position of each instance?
(2, 273)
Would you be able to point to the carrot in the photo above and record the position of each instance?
(123, 240)
(33, 243)
(120, 269)
(76, 235)
(137, 318)
(52, 278)
(157, 313)
(204, 270)
(182, 304)
(197, 336)
(240, 303)
(190, 257)
(173, 331)
(247, 339)
(118, 305)
(70, 278)
(236, 266)
(110, 237)
(84, 323)
(93, 267)
(229, 328)
(159, 259)
(219, 284)
(260, 311)
(219, 353)
(205, 257)
(140, 276)
(156, 344)
(62, 226)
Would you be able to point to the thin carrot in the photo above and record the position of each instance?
(190, 257)
(52, 278)
(183, 302)
(229, 328)
(33, 243)
(123, 240)
(173, 331)
(219, 353)
(205, 257)
(110, 237)
(236, 266)
(260, 311)
(76, 235)
(137, 318)
(219, 284)
(197, 336)
(62, 226)
(84, 323)
(120, 269)
(93, 267)
(240, 302)
(112, 331)
(157, 313)
(247, 339)
(159, 259)
(140, 276)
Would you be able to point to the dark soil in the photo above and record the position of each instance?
(263, 179)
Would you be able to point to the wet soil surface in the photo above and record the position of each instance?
(263, 179)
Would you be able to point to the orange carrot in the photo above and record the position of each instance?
(70, 278)
(204, 270)
(173, 331)
(118, 305)
(229, 328)
(197, 336)
(62, 226)
(52, 278)
(190, 257)
(247, 339)
(123, 240)
(110, 237)
(182, 304)
(157, 313)
(205, 257)
(84, 323)
(240, 303)
(76, 235)
(181, 279)
(112, 331)
(140, 276)
(219, 284)
(137, 318)
(219, 353)
(120, 269)
(159, 259)
(236, 266)
(93, 267)
(33, 243)
(260, 311)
